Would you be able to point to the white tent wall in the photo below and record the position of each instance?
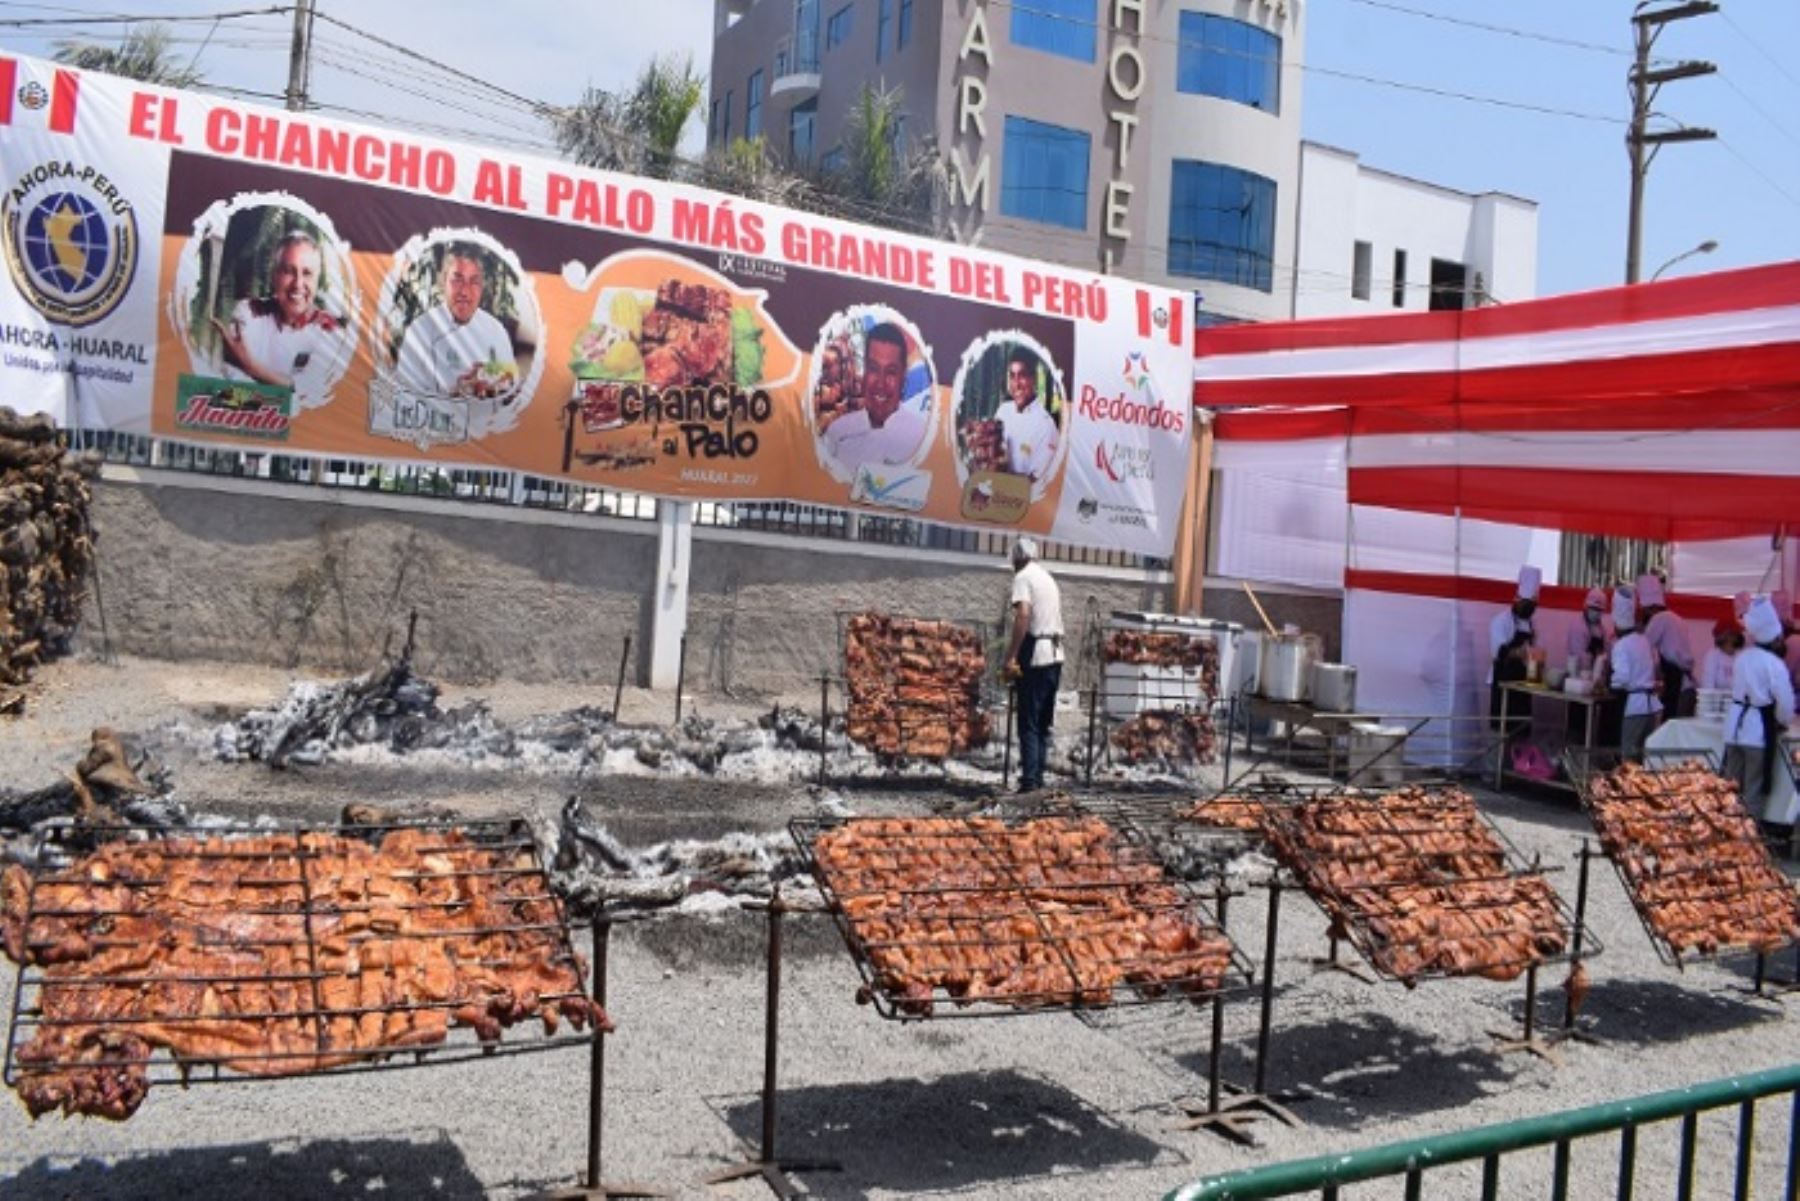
(1281, 511)
(1734, 565)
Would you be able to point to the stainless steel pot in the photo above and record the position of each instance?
(1334, 687)
(1285, 668)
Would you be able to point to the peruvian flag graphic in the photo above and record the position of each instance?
(26, 101)
(1153, 318)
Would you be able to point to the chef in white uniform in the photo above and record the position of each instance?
(455, 336)
(1028, 427)
(1633, 675)
(1669, 639)
(1591, 637)
(1716, 666)
(1511, 635)
(883, 431)
(1762, 705)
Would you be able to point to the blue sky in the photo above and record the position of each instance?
(1743, 191)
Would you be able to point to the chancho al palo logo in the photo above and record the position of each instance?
(71, 241)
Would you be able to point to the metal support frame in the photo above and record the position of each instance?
(619, 684)
(770, 1166)
(1570, 1031)
(824, 723)
(1230, 1116)
(594, 1188)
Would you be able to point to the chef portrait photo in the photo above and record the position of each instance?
(457, 339)
(265, 287)
(1010, 411)
(871, 394)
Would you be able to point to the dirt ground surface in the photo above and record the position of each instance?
(1043, 1106)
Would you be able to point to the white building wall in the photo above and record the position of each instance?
(1344, 202)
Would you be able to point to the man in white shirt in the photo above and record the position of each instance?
(884, 430)
(1633, 675)
(1762, 705)
(443, 350)
(1669, 639)
(1028, 427)
(285, 338)
(1034, 658)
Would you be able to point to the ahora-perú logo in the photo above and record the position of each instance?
(71, 241)
(1095, 405)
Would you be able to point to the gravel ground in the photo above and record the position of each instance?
(1043, 1106)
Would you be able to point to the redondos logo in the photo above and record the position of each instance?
(1120, 410)
(71, 242)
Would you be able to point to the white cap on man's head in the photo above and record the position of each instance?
(1025, 550)
(1531, 581)
(1762, 623)
(1649, 591)
(1624, 608)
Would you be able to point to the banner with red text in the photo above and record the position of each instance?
(202, 270)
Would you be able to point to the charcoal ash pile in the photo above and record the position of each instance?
(46, 547)
(116, 783)
(593, 871)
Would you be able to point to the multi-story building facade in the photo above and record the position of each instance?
(1158, 139)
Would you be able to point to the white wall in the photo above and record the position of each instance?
(1343, 201)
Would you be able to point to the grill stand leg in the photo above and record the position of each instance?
(1331, 963)
(1570, 1031)
(596, 1189)
(772, 1168)
(824, 723)
(1505, 1043)
(1093, 706)
(1231, 1117)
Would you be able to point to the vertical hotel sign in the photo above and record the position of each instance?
(1125, 74)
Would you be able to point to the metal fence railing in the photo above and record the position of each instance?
(1413, 1159)
(482, 485)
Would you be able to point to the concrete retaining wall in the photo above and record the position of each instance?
(203, 567)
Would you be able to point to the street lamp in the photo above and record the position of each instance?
(1706, 247)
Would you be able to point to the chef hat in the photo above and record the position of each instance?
(1530, 580)
(1624, 608)
(1762, 623)
(1740, 605)
(1025, 550)
(1649, 590)
(1596, 599)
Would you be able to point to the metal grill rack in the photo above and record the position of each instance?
(1155, 702)
(1004, 923)
(1358, 910)
(1701, 848)
(245, 953)
(923, 730)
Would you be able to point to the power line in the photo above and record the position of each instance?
(408, 52)
(1758, 47)
(1531, 35)
(122, 19)
(1764, 175)
(1328, 72)
(1763, 112)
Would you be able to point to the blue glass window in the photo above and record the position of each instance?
(1222, 225)
(753, 106)
(884, 18)
(806, 37)
(832, 161)
(838, 28)
(1065, 27)
(1044, 176)
(800, 131)
(1232, 60)
(905, 22)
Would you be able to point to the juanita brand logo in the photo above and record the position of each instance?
(226, 407)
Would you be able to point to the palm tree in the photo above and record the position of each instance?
(746, 168)
(639, 131)
(891, 182)
(143, 55)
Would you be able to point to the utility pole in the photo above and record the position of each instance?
(300, 56)
(1647, 25)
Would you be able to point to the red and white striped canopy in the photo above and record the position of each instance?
(1667, 411)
